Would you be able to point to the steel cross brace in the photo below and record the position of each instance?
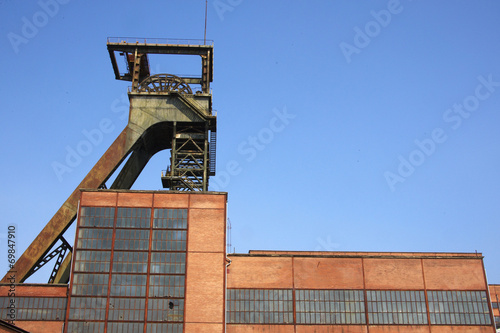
(60, 251)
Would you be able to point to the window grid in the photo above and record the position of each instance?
(133, 218)
(132, 239)
(396, 307)
(125, 327)
(128, 270)
(130, 285)
(330, 307)
(384, 307)
(161, 327)
(169, 240)
(130, 262)
(171, 310)
(92, 261)
(458, 308)
(126, 309)
(34, 308)
(87, 327)
(168, 263)
(94, 239)
(260, 306)
(90, 284)
(87, 308)
(167, 286)
(170, 219)
(97, 216)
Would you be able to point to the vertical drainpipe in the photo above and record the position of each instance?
(228, 263)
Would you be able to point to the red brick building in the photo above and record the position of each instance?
(362, 292)
(155, 261)
(495, 303)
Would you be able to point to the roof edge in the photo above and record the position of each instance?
(331, 254)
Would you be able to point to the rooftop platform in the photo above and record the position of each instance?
(130, 47)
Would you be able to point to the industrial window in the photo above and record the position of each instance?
(95, 239)
(132, 239)
(167, 286)
(87, 308)
(260, 306)
(92, 261)
(396, 307)
(458, 308)
(126, 309)
(170, 219)
(169, 240)
(118, 251)
(168, 263)
(90, 284)
(497, 321)
(130, 262)
(34, 308)
(128, 285)
(494, 305)
(330, 307)
(125, 327)
(133, 218)
(97, 216)
(161, 327)
(87, 327)
(165, 309)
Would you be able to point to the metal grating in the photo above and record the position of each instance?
(213, 149)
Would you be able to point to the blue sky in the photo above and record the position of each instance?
(342, 125)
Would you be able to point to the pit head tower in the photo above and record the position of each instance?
(180, 113)
(167, 111)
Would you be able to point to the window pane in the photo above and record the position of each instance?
(459, 307)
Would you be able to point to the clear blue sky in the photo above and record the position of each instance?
(387, 138)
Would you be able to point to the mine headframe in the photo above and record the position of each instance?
(193, 140)
(167, 111)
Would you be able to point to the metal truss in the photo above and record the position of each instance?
(189, 161)
(60, 253)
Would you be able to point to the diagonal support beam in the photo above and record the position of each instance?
(67, 213)
(132, 169)
(62, 275)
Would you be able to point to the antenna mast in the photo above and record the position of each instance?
(206, 16)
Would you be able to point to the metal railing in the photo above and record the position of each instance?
(195, 87)
(158, 41)
(130, 89)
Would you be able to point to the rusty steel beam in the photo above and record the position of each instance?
(132, 169)
(206, 52)
(62, 275)
(201, 50)
(67, 213)
(115, 65)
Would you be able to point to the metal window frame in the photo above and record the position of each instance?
(130, 225)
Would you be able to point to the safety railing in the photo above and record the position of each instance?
(159, 41)
(195, 87)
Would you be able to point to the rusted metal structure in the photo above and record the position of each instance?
(165, 113)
